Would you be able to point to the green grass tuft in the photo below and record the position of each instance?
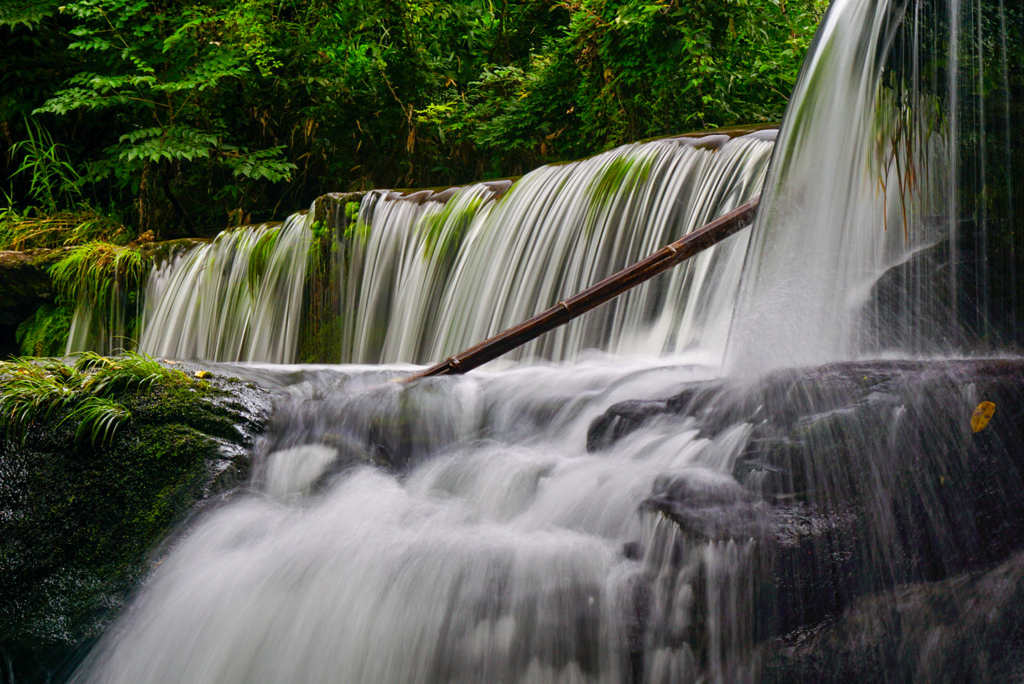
(98, 419)
(97, 272)
(33, 389)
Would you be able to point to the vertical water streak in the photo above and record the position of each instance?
(426, 280)
(100, 329)
(824, 225)
(237, 298)
(888, 220)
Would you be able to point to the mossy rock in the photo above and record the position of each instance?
(80, 521)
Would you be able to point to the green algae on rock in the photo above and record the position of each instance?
(81, 514)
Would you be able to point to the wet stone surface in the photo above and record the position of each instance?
(81, 524)
(876, 509)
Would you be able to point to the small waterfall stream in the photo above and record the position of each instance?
(481, 529)
(427, 275)
(238, 298)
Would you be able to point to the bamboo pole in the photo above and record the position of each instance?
(609, 288)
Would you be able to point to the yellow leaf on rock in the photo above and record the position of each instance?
(206, 374)
(982, 415)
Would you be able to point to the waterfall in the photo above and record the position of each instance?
(888, 219)
(624, 520)
(426, 275)
(430, 279)
(237, 298)
(515, 558)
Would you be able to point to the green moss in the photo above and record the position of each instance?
(82, 516)
(45, 333)
(260, 256)
(321, 342)
(619, 178)
(443, 231)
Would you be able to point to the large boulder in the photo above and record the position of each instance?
(867, 477)
(83, 516)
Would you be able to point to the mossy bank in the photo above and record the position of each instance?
(106, 467)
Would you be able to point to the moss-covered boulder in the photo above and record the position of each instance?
(111, 458)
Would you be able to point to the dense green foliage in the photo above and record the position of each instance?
(182, 117)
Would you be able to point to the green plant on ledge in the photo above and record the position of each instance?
(34, 389)
(106, 278)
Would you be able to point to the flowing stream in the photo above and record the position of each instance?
(502, 552)
(459, 529)
(427, 275)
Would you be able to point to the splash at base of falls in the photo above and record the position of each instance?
(586, 523)
(490, 556)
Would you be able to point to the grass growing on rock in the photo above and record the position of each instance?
(96, 271)
(35, 389)
(99, 460)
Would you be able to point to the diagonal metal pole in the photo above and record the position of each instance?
(609, 288)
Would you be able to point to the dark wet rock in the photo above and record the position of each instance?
(817, 565)
(709, 506)
(965, 629)
(26, 286)
(869, 475)
(620, 420)
(82, 523)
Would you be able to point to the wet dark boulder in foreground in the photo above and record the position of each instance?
(878, 491)
(966, 629)
(83, 516)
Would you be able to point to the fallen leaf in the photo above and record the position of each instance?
(982, 415)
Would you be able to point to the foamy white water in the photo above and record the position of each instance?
(499, 557)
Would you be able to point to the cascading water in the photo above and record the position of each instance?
(432, 279)
(516, 557)
(424, 276)
(570, 523)
(899, 153)
(238, 298)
